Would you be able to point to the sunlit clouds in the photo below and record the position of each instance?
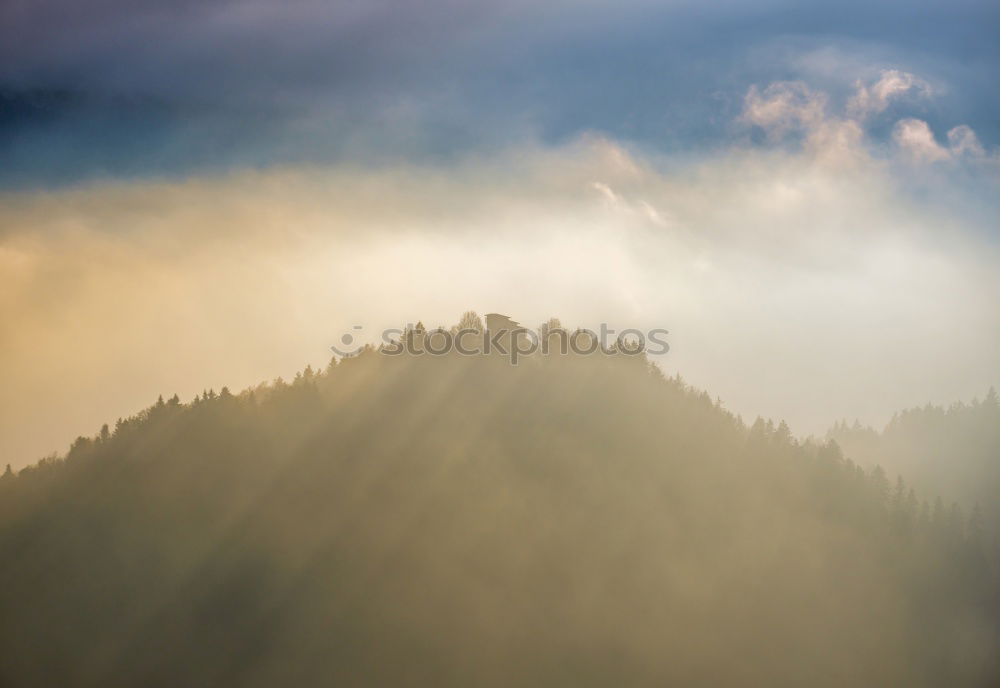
(800, 278)
(873, 98)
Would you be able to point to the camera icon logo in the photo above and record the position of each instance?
(349, 343)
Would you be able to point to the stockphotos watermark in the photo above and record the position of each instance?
(513, 343)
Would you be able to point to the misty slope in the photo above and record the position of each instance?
(461, 521)
(954, 451)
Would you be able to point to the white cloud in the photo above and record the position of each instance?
(610, 198)
(792, 108)
(915, 138)
(963, 141)
(613, 200)
(761, 261)
(785, 106)
(875, 98)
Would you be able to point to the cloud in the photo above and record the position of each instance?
(963, 141)
(793, 110)
(611, 199)
(144, 88)
(614, 201)
(915, 138)
(760, 261)
(916, 141)
(891, 84)
(785, 106)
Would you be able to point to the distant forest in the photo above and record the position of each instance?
(457, 520)
(953, 453)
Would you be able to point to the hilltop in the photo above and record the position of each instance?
(458, 520)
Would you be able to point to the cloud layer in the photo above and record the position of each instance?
(809, 278)
(119, 89)
(210, 192)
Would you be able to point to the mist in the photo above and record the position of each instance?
(808, 280)
(440, 520)
(729, 273)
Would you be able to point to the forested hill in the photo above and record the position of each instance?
(453, 520)
(954, 451)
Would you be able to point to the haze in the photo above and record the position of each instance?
(809, 281)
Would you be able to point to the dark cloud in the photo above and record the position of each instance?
(121, 88)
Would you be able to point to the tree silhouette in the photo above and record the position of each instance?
(420, 520)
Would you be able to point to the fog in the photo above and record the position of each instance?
(455, 520)
(232, 235)
(811, 278)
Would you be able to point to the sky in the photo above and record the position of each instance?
(199, 194)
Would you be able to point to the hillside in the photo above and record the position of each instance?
(954, 451)
(420, 520)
